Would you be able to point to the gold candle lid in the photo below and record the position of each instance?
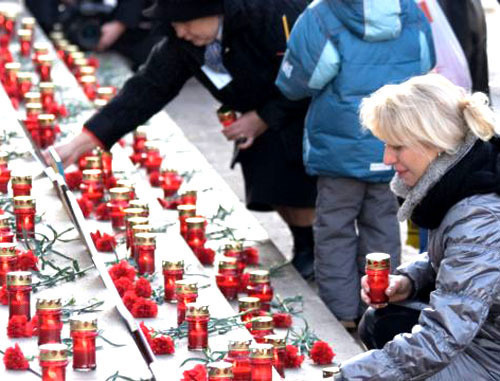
(24, 202)
(53, 352)
(177, 264)
(100, 103)
(45, 59)
(32, 97)
(239, 345)
(234, 246)
(331, 371)
(141, 204)
(88, 79)
(277, 341)
(71, 49)
(86, 70)
(25, 34)
(46, 87)
(4, 157)
(248, 302)
(77, 55)
(228, 263)
(185, 286)
(145, 239)
(34, 107)
(56, 35)
(106, 92)
(197, 309)
(133, 212)
(46, 119)
(220, 369)
(5, 221)
(119, 193)
(19, 278)
(61, 44)
(378, 261)
(261, 351)
(195, 222)
(28, 22)
(24, 76)
(7, 249)
(93, 162)
(92, 174)
(48, 304)
(259, 276)
(141, 131)
(41, 47)
(192, 193)
(83, 323)
(139, 225)
(11, 14)
(12, 67)
(81, 62)
(21, 179)
(186, 210)
(261, 323)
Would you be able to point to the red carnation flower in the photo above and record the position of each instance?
(110, 182)
(62, 111)
(14, 359)
(102, 212)
(137, 158)
(198, 373)
(122, 143)
(129, 299)
(123, 284)
(144, 308)
(4, 299)
(103, 241)
(26, 260)
(143, 288)
(321, 353)
(251, 254)
(85, 205)
(292, 357)
(155, 179)
(168, 204)
(18, 327)
(207, 256)
(73, 179)
(123, 268)
(162, 345)
(93, 61)
(282, 320)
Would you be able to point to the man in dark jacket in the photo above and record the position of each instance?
(234, 48)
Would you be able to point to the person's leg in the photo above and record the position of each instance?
(336, 245)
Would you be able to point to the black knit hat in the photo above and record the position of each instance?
(184, 10)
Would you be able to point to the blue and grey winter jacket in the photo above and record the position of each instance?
(339, 52)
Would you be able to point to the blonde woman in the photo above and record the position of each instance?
(443, 147)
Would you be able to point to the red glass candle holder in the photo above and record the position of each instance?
(239, 356)
(185, 211)
(24, 210)
(131, 214)
(47, 94)
(6, 235)
(10, 75)
(125, 183)
(107, 163)
(250, 304)
(10, 22)
(24, 82)
(259, 285)
(72, 57)
(44, 67)
(21, 185)
(226, 116)
(279, 352)
(106, 93)
(261, 327)
(89, 85)
(31, 122)
(19, 293)
(145, 244)
(137, 229)
(25, 40)
(228, 279)
(172, 271)
(79, 63)
(53, 361)
(129, 224)
(153, 157)
(197, 317)
(84, 333)
(140, 138)
(32, 97)
(171, 182)
(49, 320)
(92, 186)
(235, 250)
(220, 371)
(186, 291)
(83, 71)
(46, 123)
(261, 360)
(4, 172)
(196, 234)
(8, 261)
(116, 206)
(378, 267)
(189, 198)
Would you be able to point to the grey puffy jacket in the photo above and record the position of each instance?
(461, 327)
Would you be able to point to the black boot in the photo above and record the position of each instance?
(303, 250)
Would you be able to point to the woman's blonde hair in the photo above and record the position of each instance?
(427, 110)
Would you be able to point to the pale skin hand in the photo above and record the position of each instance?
(249, 126)
(110, 32)
(400, 288)
(70, 152)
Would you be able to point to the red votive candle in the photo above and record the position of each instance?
(107, 163)
(92, 162)
(186, 291)
(250, 304)
(24, 210)
(21, 185)
(25, 38)
(79, 63)
(44, 67)
(10, 76)
(120, 197)
(189, 197)
(82, 71)
(129, 224)
(125, 183)
(89, 85)
(261, 360)
(53, 361)
(171, 182)
(220, 371)
(140, 138)
(153, 157)
(172, 271)
(47, 93)
(32, 97)
(378, 267)
(239, 356)
(4, 171)
(259, 286)
(24, 82)
(145, 244)
(197, 317)
(226, 116)
(49, 320)
(74, 56)
(228, 278)
(46, 123)
(106, 93)
(6, 235)
(138, 227)
(196, 234)
(131, 214)
(10, 21)
(261, 327)
(235, 250)
(279, 352)
(28, 23)
(31, 122)
(39, 49)
(92, 187)
(19, 293)
(185, 211)
(84, 332)
(8, 261)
